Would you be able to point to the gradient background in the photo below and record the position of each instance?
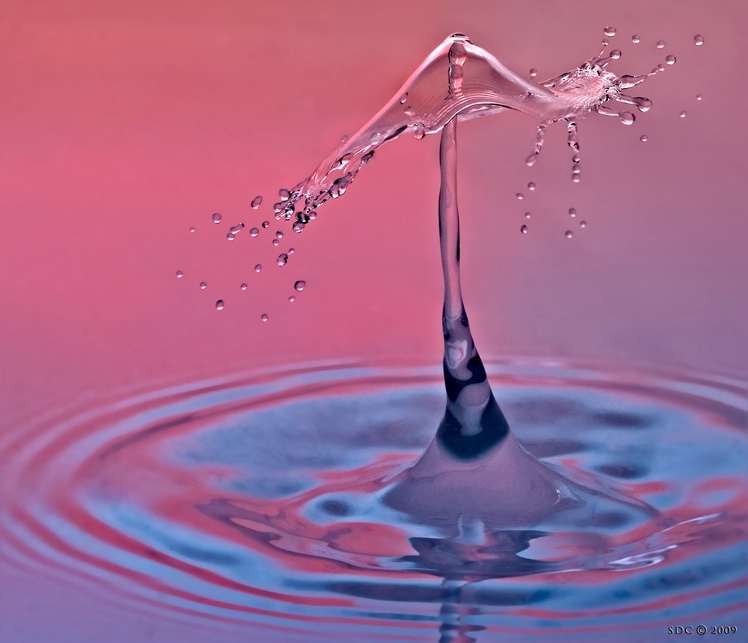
(123, 123)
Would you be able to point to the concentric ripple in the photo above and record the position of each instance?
(257, 501)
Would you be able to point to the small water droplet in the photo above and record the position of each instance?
(572, 212)
(683, 114)
(243, 286)
(670, 60)
(636, 39)
(217, 217)
(616, 54)
(253, 232)
(219, 304)
(605, 42)
(698, 40)
(576, 168)
(644, 138)
(568, 234)
(520, 196)
(403, 98)
(236, 228)
(698, 96)
(292, 298)
(264, 317)
(576, 178)
(523, 229)
(230, 236)
(298, 227)
(192, 228)
(180, 274)
(284, 194)
(203, 285)
(530, 160)
(660, 44)
(627, 118)
(266, 224)
(291, 251)
(278, 234)
(609, 31)
(276, 242)
(299, 285)
(256, 202)
(576, 158)
(419, 131)
(282, 259)
(660, 67)
(531, 186)
(582, 224)
(533, 72)
(258, 267)
(528, 215)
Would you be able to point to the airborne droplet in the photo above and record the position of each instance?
(683, 114)
(282, 259)
(264, 317)
(243, 286)
(284, 194)
(253, 232)
(533, 72)
(660, 44)
(644, 138)
(670, 60)
(203, 285)
(636, 39)
(192, 228)
(219, 304)
(217, 217)
(520, 196)
(299, 285)
(609, 31)
(236, 228)
(582, 224)
(572, 212)
(292, 298)
(698, 40)
(266, 224)
(256, 202)
(627, 118)
(568, 234)
(523, 229)
(258, 267)
(230, 236)
(531, 186)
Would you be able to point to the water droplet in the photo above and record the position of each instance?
(572, 212)
(284, 194)
(644, 138)
(698, 96)
(299, 285)
(298, 227)
(278, 234)
(256, 202)
(683, 114)
(292, 298)
(636, 39)
(568, 234)
(243, 286)
(530, 160)
(403, 98)
(203, 285)
(605, 42)
(217, 217)
(266, 224)
(644, 104)
(609, 31)
(698, 40)
(528, 215)
(219, 304)
(282, 259)
(523, 229)
(576, 178)
(670, 60)
(236, 228)
(576, 168)
(582, 224)
(258, 267)
(576, 158)
(520, 196)
(616, 54)
(660, 67)
(533, 72)
(192, 228)
(291, 251)
(276, 242)
(264, 317)
(419, 131)
(230, 236)
(253, 232)
(660, 44)
(180, 274)
(627, 118)
(531, 186)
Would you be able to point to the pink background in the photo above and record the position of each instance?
(122, 124)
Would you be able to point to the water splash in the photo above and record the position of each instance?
(460, 79)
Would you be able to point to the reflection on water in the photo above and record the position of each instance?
(262, 500)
